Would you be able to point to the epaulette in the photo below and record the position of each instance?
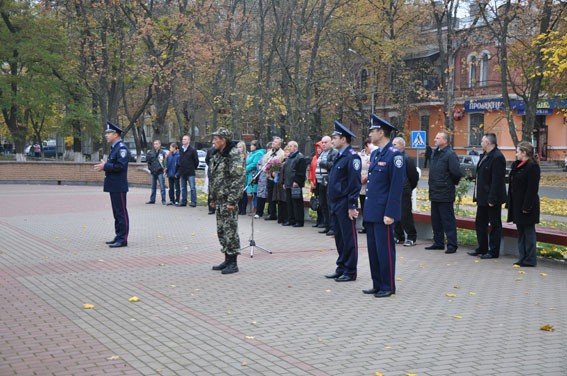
(353, 152)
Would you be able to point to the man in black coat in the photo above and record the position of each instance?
(405, 226)
(444, 175)
(294, 172)
(489, 194)
(188, 163)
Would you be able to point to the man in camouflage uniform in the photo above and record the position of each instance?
(226, 186)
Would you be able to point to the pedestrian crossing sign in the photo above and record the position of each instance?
(418, 139)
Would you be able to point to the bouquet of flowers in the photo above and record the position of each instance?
(273, 167)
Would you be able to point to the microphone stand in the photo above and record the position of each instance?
(252, 243)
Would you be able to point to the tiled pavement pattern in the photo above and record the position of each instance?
(278, 316)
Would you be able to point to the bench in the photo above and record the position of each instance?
(509, 232)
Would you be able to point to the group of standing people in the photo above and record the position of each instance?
(179, 165)
(382, 177)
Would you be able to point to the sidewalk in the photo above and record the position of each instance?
(277, 316)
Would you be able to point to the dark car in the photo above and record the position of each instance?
(467, 165)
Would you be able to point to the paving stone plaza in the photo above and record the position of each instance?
(452, 314)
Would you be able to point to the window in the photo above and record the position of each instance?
(363, 81)
(472, 70)
(484, 57)
(476, 128)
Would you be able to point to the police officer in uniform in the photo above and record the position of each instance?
(116, 183)
(386, 177)
(342, 192)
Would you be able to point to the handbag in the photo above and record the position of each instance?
(296, 192)
(314, 203)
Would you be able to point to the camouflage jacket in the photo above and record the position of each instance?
(227, 175)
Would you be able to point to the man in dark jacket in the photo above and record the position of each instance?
(156, 161)
(405, 226)
(489, 194)
(294, 172)
(188, 163)
(444, 175)
(324, 165)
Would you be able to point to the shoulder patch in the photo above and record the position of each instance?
(398, 161)
(356, 164)
(123, 153)
(352, 151)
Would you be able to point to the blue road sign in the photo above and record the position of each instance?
(418, 139)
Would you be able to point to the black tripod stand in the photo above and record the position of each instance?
(252, 244)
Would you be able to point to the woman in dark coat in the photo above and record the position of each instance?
(523, 201)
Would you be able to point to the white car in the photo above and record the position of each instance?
(202, 155)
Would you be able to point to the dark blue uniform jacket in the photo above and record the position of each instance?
(116, 169)
(386, 178)
(344, 181)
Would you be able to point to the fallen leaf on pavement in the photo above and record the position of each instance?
(547, 328)
(113, 357)
(450, 295)
(472, 293)
(134, 299)
(543, 274)
(249, 337)
(88, 306)
(378, 373)
(458, 317)
(521, 272)
(516, 266)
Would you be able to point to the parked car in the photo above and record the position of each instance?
(467, 165)
(202, 155)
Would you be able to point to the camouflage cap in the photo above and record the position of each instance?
(224, 133)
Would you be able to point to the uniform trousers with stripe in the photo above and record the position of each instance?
(346, 242)
(121, 219)
(381, 255)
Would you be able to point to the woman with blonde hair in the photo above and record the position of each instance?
(523, 201)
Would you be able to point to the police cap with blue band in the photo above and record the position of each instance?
(377, 122)
(341, 130)
(111, 128)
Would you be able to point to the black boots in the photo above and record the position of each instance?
(231, 266)
(223, 264)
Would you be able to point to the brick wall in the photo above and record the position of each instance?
(65, 173)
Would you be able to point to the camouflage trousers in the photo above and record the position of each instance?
(227, 230)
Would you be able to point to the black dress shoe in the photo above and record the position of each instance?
(321, 226)
(270, 219)
(330, 233)
(287, 224)
(315, 225)
(527, 265)
(383, 294)
(182, 204)
(475, 253)
(449, 251)
(434, 246)
(192, 205)
(488, 256)
(297, 225)
(371, 291)
(118, 244)
(323, 231)
(333, 275)
(212, 212)
(110, 241)
(346, 278)
(150, 202)
(362, 231)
